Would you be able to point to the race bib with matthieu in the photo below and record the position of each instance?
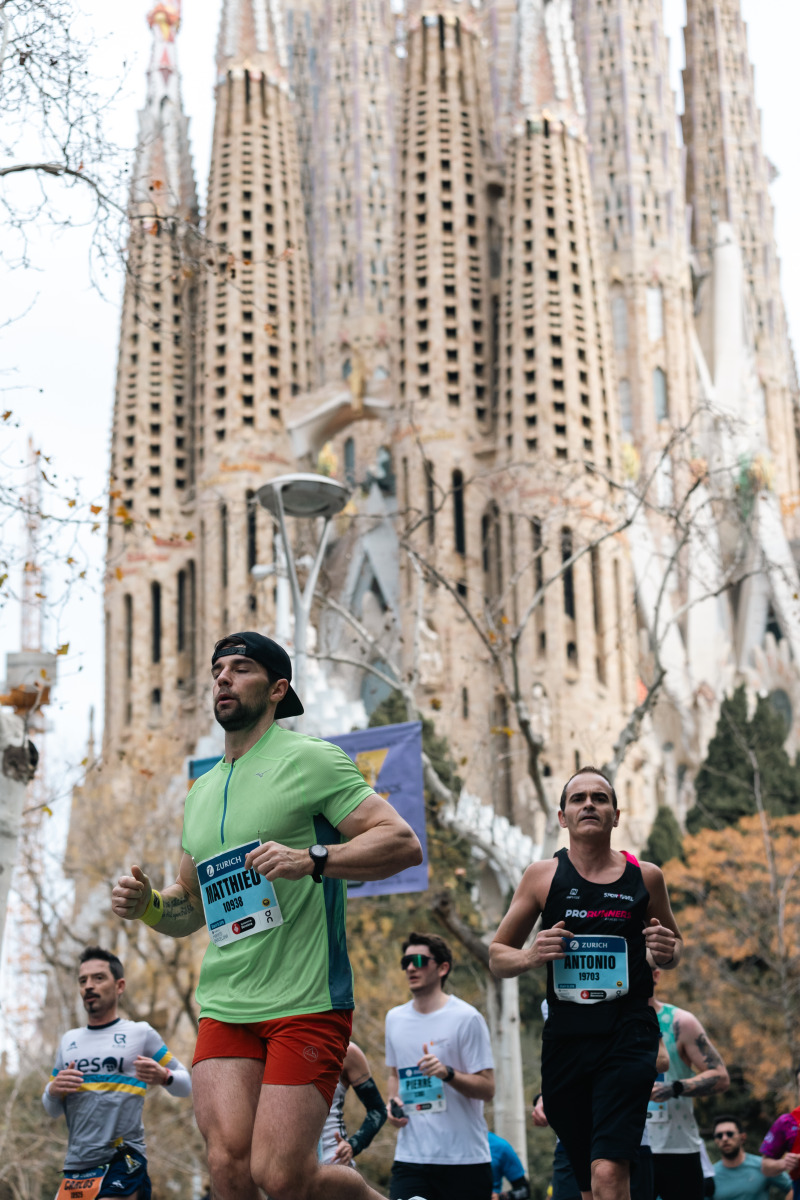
(421, 1093)
(237, 901)
(595, 968)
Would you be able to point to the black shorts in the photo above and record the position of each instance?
(126, 1174)
(678, 1176)
(439, 1181)
(595, 1091)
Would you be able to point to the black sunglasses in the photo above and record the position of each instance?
(415, 960)
(718, 1137)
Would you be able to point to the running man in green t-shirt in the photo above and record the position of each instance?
(269, 836)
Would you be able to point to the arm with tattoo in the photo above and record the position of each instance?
(697, 1050)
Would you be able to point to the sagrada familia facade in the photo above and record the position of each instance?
(455, 255)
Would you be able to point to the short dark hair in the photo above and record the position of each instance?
(728, 1117)
(438, 947)
(115, 966)
(587, 771)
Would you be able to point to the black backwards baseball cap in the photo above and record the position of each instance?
(272, 656)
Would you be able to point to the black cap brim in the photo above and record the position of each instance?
(289, 706)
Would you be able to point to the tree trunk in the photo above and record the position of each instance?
(510, 1110)
(15, 773)
(502, 1012)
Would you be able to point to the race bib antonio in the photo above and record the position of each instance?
(594, 969)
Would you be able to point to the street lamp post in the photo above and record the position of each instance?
(302, 495)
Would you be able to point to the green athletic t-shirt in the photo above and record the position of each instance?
(295, 790)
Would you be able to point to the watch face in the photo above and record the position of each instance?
(318, 852)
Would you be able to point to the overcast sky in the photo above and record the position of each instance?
(58, 363)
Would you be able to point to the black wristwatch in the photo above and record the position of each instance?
(677, 1087)
(449, 1076)
(319, 857)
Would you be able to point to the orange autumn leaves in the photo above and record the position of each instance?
(737, 900)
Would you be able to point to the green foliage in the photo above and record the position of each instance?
(725, 783)
(665, 840)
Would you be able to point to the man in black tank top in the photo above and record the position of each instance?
(604, 918)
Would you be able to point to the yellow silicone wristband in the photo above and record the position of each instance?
(155, 909)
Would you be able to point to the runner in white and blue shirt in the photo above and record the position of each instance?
(100, 1078)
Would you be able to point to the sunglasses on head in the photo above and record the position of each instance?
(415, 960)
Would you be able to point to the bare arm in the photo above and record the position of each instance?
(380, 843)
(477, 1085)
(661, 934)
(507, 955)
(183, 907)
(696, 1049)
(776, 1166)
(355, 1068)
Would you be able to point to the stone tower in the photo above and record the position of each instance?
(639, 198)
(352, 225)
(151, 580)
(255, 326)
(558, 435)
(727, 179)
(448, 287)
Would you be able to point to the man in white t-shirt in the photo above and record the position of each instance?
(440, 1073)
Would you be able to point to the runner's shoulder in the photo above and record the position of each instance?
(72, 1035)
(287, 744)
(538, 877)
(650, 870)
(400, 1010)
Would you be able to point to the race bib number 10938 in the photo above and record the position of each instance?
(237, 901)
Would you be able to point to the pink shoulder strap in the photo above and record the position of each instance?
(630, 858)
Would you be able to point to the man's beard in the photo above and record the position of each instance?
(241, 715)
(730, 1153)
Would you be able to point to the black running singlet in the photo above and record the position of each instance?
(605, 973)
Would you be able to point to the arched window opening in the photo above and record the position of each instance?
(251, 508)
(430, 495)
(492, 553)
(660, 399)
(459, 532)
(655, 314)
(568, 578)
(625, 406)
(223, 545)
(128, 636)
(155, 614)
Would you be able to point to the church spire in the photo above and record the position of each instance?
(252, 37)
(548, 74)
(163, 163)
(150, 572)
